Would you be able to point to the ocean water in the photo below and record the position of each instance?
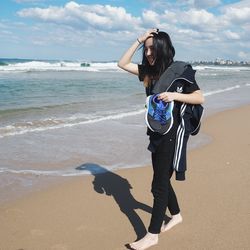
(56, 117)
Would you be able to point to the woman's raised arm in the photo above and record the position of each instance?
(125, 61)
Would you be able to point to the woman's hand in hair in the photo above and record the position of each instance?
(149, 33)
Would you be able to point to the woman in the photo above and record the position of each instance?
(158, 57)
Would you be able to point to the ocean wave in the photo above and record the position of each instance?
(52, 123)
(20, 128)
(202, 73)
(217, 91)
(221, 68)
(55, 173)
(40, 66)
(14, 111)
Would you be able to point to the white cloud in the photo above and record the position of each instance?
(199, 19)
(150, 17)
(197, 4)
(237, 13)
(232, 35)
(104, 17)
(170, 16)
(49, 14)
(188, 22)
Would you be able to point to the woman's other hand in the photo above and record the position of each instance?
(193, 98)
(167, 96)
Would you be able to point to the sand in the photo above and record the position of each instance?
(107, 211)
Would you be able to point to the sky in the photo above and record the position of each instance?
(102, 30)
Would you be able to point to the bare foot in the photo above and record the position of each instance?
(176, 219)
(147, 241)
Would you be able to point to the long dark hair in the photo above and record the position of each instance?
(164, 55)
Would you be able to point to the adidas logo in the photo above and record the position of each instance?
(179, 89)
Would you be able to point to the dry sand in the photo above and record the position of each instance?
(115, 208)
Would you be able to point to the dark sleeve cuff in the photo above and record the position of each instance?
(180, 176)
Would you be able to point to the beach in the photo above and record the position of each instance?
(76, 166)
(54, 119)
(110, 209)
(75, 172)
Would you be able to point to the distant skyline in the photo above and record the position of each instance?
(103, 30)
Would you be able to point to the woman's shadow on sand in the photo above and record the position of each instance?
(111, 184)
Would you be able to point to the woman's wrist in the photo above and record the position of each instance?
(139, 41)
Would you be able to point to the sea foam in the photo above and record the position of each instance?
(40, 66)
(49, 124)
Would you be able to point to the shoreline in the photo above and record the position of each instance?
(44, 181)
(35, 160)
(84, 212)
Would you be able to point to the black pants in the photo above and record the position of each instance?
(164, 195)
